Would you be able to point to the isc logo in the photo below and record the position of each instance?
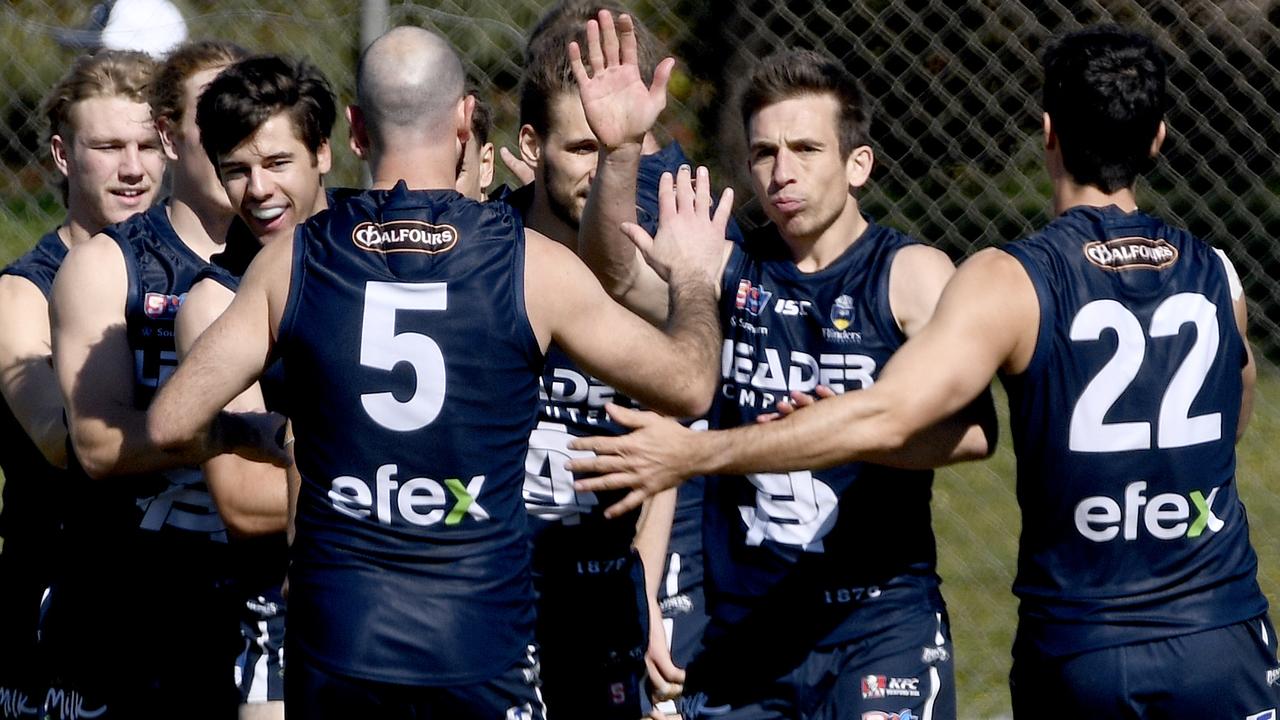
(791, 308)
(420, 501)
(1165, 516)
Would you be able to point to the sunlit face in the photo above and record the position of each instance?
(193, 174)
(273, 180)
(112, 160)
(567, 163)
(796, 169)
(477, 169)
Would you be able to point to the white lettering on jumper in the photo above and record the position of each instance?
(780, 372)
(420, 501)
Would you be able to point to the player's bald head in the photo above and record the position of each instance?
(409, 81)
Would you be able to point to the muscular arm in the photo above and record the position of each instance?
(27, 380)
(251, 496)
(95, 366)
(916, 281)
(225, 360)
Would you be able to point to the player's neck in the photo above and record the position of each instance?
(76, 230)
(818, 249)
(422, 168)
(1068, 194)
(204, 230)
(542, 219)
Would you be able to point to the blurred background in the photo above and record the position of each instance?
(956, 132)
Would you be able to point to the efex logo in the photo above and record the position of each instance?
(1167, 516)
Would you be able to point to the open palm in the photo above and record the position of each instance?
(619, 107)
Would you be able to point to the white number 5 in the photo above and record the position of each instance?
(383, 348)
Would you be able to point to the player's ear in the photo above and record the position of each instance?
(58, 149)
(164, 126)
(1050, 139)
(324, 157)
(857, 167)
(530, 145)
(358, 139)
(466, 107)
(486, 165)
(1158, 140)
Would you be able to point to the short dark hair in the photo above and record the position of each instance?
(187, 60)
(546, 57)
(1105, 93)
(244, 96)
(792, 73)
(481, 117)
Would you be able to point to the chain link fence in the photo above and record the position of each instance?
(958, 145)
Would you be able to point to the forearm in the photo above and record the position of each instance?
(693, 328)
(653, 532)
(127, 444)
(252, 497)
(970, 434)
(601, 243)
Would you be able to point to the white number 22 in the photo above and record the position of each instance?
(383, 348)
(1089, 433)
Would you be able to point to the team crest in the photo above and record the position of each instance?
(752, 298)
(842, 312)
(1131, 253)
(404, 236)
(159, 305)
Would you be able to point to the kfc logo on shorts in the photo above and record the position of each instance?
(158, 305)
(873, 686)
(903, 714)
(751, 298)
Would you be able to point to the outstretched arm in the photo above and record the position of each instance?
(986, 320)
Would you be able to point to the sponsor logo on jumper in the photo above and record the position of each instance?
(842, 312)
(158, 305)
(752, 298)
(1165, 517)
(1131, 253)
(1268, 714)
(420, 501)
(759, 376)
(879, 686)
(404, 236)
(903, 714)
(1273, 676)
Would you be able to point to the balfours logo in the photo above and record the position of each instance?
(405, 236)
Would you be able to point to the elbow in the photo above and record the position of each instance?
(164, 435)
(693, 400)
(978, 443)
(96, 459)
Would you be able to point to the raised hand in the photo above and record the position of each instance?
(619, 107)
(689, 237)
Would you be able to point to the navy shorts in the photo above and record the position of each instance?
(23, 675)
(593, 631)
(312, 693)
(259, 668)
(906, 673)
(1230, 672)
